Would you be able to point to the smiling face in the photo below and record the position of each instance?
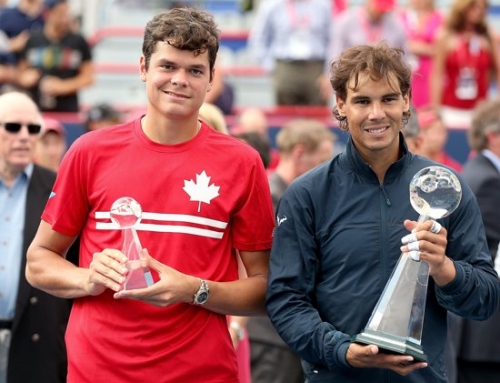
(374, 111)
(176, 82)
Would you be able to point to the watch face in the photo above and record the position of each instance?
(202, 297)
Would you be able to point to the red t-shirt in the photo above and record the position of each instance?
(200, 200)
(481, 63)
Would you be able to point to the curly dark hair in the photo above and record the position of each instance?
(183, 28)
(379, 61)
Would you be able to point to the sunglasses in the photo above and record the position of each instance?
(15, 127)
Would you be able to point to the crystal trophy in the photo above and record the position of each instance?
(126, 213)
(397, 321)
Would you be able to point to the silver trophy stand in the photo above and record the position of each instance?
(126, 213)
(397, 321)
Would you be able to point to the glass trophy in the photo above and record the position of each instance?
(126, 213)
(397, 321)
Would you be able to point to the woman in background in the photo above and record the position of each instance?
(465, 62)
(421, 21)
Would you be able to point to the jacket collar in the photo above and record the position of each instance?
(352, 160)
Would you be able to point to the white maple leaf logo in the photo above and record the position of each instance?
(200, 190)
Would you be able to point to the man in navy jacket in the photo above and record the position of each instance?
(339, 231)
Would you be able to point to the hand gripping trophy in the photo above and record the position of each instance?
(396, 323)
(126, 213)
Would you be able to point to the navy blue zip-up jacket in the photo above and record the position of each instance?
(337, 240)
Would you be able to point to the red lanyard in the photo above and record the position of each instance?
(295, 21)
(371, 31)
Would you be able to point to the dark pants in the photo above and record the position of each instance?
(296, 83)
(273, 364)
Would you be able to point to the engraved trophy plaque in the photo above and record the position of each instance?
(397, 321)
(126, 213)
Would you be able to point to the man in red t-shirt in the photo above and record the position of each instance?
(203, 194)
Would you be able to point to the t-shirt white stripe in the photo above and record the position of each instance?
(164, 229)
(172, 218)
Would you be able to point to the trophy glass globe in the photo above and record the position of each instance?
(126, 212)
(396, 323)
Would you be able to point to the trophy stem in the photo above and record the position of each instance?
(396, 323)
(138, 277)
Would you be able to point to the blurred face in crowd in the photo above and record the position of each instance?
(59, 17)
(17, 148)
(433, 137)
(476, 11)
(50, 149)
(313, 158)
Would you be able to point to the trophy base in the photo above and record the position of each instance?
(391, 343)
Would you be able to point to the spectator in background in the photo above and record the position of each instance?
(259, 143)
(222, 93)
(373, 21)
(411, 132)
(433, 138)
(19, 21)
(100, 116)
(477, 344)
(51, 144)
(421, 21)
(214, 117)
(255, 120)
(16, 23)
(56, 62)
(32, 322)
(466, 62)
(289, 39)
(302, 145)
(7, 62)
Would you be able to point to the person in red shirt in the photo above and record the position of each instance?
(433, 137)
(204, 197)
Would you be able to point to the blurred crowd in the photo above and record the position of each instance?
(456, 71)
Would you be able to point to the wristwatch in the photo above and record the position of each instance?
(201, 295)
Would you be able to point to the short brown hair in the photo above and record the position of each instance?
(302, 131)
(485, 119)
(183, 28)
(378, 61)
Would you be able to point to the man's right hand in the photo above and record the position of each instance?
(107, 270)
(369, 356)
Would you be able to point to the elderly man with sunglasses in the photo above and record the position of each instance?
(32, 323)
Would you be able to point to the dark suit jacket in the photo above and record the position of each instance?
(480, 341)
(37, 351)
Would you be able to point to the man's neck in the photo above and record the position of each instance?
(169, 132)
(9, 174)
(285, 170)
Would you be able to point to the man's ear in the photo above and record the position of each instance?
(142, 68)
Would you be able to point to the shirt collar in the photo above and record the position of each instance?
(27, 173)
(492, 157)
